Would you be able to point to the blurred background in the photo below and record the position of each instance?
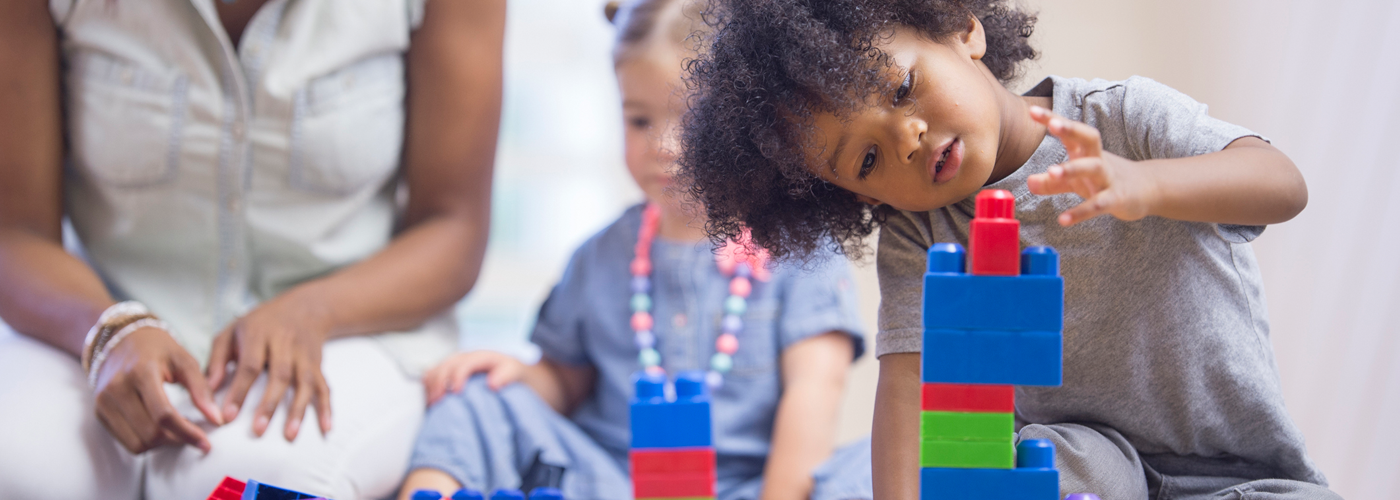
(1319, 78)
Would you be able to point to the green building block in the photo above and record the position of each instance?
(966, 426)
(968, 454)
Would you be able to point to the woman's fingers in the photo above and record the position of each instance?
(116, 425)
(250, 365)
(322, 400)
(152, 393)
(184, 370)
(220, 352)
(279, 377)
(1080, 139)
(301, 398)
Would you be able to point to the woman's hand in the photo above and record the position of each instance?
(130, 391)
(283, 337)
(1108, 183)
(451, 374)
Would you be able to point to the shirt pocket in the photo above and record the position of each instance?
(758, 343)
(125, 121)
(347, 127)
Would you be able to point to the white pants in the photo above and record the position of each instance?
(52, 446)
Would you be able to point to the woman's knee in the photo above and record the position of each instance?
(54, 447)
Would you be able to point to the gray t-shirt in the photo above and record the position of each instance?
(1166, 335)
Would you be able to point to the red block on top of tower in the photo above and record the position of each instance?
(995, 239)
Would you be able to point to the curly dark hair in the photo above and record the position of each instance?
(771, 65)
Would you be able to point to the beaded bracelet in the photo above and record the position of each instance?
(101, 354)
(106, 323)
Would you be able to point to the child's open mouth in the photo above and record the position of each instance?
(945, 165)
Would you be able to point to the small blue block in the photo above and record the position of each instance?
(1043, 261)
(546, 493)
(259, 491)
(467, 494)
(684, 423)
(1035, 454)
(426, 495)
(947, 258)
(1007, 303)
(989, 484)
(992, 357)
(507, 494)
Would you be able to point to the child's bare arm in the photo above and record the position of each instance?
(804, 431)
(894, 440)
(1249, 182)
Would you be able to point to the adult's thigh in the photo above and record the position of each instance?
(51, 444)
(376, 411)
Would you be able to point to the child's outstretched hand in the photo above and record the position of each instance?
(1108, 183)
(451, 374)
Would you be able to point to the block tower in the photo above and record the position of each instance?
(672, 453)
(985, 330)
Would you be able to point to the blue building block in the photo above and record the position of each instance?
(546, 493)
(507, 494)
(683, 423)
(989, 484)
(426, 495)
(258, 491)
(992, 357)
(467, 494)
(1009, 303)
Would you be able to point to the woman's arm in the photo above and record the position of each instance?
(49, 295)
(804, 431)
(454, 107)
(894, 438)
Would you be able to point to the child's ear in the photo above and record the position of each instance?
(974, 38)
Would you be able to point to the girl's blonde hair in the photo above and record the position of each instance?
(641, 24)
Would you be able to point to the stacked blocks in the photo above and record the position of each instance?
(986, 330)
(233, 489)
(672, 453)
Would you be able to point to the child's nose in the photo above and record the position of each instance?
(911, 137)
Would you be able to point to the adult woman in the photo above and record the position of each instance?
(265, 176)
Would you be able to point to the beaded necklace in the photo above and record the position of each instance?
(735, 259)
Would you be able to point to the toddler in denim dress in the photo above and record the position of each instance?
(775, 398)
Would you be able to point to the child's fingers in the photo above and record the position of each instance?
(469, 364)
(1080, 139)
(1094, 206)
(435, 383)
(1082, 176)
(503, 374)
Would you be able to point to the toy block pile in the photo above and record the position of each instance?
(233, 489)
(672, 454)
(985, 330)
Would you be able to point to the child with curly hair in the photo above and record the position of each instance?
(815, 122)
(777, 340)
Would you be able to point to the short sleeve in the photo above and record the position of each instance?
(1162, 122)
(820, 299)
(900, 259)
(559, 327)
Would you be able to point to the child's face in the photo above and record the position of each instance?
(933, 142)
(651, 110)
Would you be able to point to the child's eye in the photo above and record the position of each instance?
(904, 88)
(867, 164)
(639, 123)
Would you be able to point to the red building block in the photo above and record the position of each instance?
(683, 485)
(995, 240)
(650, 462)
(228, 489)
(969, 397)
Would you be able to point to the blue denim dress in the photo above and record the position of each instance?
(585, 322)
